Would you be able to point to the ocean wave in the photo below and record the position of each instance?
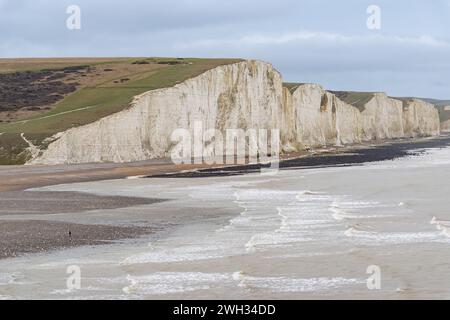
(288, 284)
(441, 225)
(180, 254)
(11, 278)
(163, 283)
(354, 232)
(340, 215)
(393, 237)
(309, 193)
(438, 222)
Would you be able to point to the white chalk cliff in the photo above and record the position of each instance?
(247, 95)
(382, 118)
(420, 118)
(445, 120)
(318, 118)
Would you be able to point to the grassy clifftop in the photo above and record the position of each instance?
(41, 97)
(356, 99)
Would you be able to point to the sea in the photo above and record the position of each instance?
(379, 230)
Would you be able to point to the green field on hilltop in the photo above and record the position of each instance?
(291, 86)
(105, 86)
(356, 99)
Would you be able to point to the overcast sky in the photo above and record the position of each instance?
(321, 41)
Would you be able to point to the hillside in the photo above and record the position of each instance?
(438, 103)
(357, 99)
(41, 97)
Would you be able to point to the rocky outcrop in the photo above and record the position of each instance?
(246, 95)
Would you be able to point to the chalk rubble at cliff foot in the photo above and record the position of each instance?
(245, 95)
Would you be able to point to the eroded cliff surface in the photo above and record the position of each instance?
(420, 118)
(319, 118)
(245, 95)
(382, 118)
(444, 116)
(242, 95)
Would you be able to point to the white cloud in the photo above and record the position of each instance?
(323, 38)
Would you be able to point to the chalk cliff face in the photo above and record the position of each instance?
(382, 118)
(242, 95)
(319, 118)
(247, 95)
(445, 126)
(444, 115)
(420, 118)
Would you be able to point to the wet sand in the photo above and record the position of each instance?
(18, 178)
(24, 235)
(41, 202)
(34, 236)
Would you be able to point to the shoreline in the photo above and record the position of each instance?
(24, 235)
(24, 177)
(332, 157)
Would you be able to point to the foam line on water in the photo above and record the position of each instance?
(441, 225)
(163, 283)
(377, 238)
(11, 278)
(172, 282)
(287, 284)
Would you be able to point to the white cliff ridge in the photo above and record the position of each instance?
(318, 118)
(246, 95)
(382, 118)
(445, 118)
(420, 118)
